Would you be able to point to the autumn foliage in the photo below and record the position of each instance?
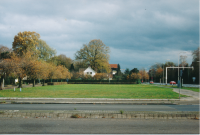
(24, 60)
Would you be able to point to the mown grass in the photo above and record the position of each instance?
(94, 91)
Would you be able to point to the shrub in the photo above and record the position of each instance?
(121, 111)
(75, 116)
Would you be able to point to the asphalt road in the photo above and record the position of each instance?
(97, 126)
(115, 107)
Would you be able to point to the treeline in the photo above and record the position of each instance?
(31, 57)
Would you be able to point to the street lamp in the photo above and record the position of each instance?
(178, 63)
(145, 74)
(163, 72)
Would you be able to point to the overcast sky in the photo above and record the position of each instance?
(138, 32)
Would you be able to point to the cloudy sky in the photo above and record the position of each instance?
(139, 33)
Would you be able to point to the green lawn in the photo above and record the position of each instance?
(94, 91)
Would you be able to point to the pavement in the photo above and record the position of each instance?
(192, 99)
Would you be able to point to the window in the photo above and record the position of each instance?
(90, 72)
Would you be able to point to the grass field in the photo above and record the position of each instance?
(94, 91)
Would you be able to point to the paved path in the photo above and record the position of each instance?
(193, 95)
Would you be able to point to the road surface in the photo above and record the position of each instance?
(103, 107)
(97, 126)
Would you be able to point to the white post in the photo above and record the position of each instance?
(163, 74)
(14, 88)
(20, 90)
(178, 67)
(182, 82)
(3, 83)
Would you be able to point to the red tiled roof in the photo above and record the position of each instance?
(113, 65)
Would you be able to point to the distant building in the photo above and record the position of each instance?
(113, 68)
(87, 71)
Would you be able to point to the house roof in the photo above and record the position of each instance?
(82, 69)
(113, 66)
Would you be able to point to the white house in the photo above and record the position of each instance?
(89, 71)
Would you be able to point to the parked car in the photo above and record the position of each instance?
(151, 82)
(172, 82)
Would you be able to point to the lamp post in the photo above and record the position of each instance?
(178, 63)
(145, 74)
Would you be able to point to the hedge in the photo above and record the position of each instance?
(56, 83)
(99, 80)
(101, 83)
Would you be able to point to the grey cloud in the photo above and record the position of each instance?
(133, 25)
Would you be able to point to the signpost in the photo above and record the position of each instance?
(193, 78)
(181, 73)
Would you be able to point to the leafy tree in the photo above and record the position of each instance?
(135, 70)
(19, 65)
(144, 75)
(195, 54)
(58, 72)
(5, 52)
(25, 41)
(63, 60)
(45, 51)
(71, 67)
(44, 71)
(79, 64)
(34, 70)
(96, 54)
(127, 71)
(75, 75)
(195, 64)
(119, 70)
(134, 77)
(52, 71)
(183, 61)
(159, 72)
(6, 67)
(63, 72)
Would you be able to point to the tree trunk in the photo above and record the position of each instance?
(20, 82)
(1, 82)
(43, 82)
(33, 82)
